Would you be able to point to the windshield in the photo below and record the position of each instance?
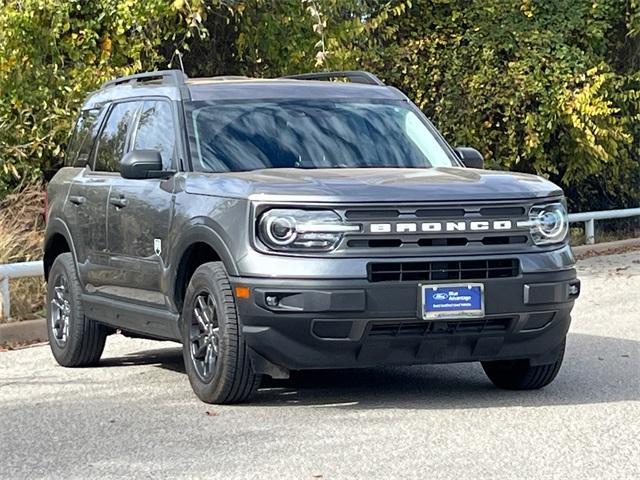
(325, 134)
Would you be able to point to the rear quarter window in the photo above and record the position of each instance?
(83, 136)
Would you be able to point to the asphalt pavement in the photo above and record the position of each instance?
(135, 416)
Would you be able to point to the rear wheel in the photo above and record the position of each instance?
(75, 340)
(214, 351)
(521, 375)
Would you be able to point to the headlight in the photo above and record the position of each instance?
(304, 230)
(548, 223)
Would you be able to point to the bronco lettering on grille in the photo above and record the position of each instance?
(457, 226)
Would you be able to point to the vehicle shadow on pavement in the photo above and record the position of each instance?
(166, 358)
(596, 370)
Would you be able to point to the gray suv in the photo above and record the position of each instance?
(298, 223)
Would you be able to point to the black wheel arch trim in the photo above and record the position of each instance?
(204, 233)
(199, 233)
(57, 226)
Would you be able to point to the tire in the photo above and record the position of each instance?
(214, 351)
(75, 340)
(521, 375)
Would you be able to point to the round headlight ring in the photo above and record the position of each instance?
(281, 230)
(550, 223)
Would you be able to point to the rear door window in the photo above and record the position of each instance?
(156, 131)
(112, 141)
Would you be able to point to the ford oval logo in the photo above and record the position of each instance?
(440, 296)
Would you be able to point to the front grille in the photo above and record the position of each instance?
(506, 240)
(417, 229)
(435, 242)
(446, 270)
(452, 327)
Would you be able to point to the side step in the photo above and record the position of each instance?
(140, 319)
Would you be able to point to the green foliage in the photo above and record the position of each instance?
(279, 37)
(537, 86)
(530, 85)
(52, 52)
(550, 87)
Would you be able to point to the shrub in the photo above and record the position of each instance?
(551, 88)
(546, 87)
(53, 52)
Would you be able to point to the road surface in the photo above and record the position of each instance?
(135, 415)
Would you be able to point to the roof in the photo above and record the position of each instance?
(287, 88)
(177, 86)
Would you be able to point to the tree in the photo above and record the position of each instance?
(551, 88)
(53, 52)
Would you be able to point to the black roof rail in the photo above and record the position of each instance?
(167, 77)
(356, 76)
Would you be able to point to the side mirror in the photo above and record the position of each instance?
(142, 164)
(471, 158)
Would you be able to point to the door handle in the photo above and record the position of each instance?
(118, 202)
(77, 199)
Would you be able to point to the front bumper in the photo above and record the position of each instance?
(355, 323)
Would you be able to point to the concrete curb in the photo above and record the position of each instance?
(28, 331)
(607, 248)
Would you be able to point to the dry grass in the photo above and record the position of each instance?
(21, 231)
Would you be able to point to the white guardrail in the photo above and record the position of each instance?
(35, 269)
(589, 219)
(15, 270)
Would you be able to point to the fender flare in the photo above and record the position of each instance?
(57, 226)
(199, 233)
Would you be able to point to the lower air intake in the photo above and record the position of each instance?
(451, 327)
(449, 270)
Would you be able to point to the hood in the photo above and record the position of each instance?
(346, 185)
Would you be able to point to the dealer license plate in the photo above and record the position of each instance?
(456, 300)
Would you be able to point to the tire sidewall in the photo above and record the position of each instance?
(201, 282)
(63, 265)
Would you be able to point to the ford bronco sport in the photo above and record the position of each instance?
(298, 223)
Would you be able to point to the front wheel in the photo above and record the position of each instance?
(214, 351)
(521, 375)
